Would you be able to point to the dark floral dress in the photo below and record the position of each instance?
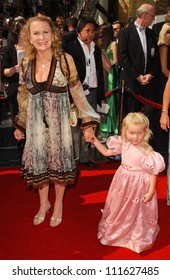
(48, 154)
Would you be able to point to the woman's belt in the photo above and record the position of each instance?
(53, 88)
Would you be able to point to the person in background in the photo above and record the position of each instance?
(71, 35)
(158, 26)
(44, 113)
(130, 215)
(60, 23)
(112, 121)
(10, 63)
(165, 125)
(164, 50)
(3, 39)
(138, 56)
(117, 26)
(40, 13)
(88, 60)
(40, 7)
(6, 29)
(11, 60)
(34, 6)
(102, 39)
(98, 40)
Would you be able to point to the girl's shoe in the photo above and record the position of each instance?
(39, 219)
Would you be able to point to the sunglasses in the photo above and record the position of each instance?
(115, 22)
(168, 31)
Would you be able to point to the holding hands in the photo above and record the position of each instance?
(89, 134)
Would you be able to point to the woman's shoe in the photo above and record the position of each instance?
(54, 222)
(39, 219)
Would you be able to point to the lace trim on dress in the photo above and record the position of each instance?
(37, 181)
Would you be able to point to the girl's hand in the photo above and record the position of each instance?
(148, 196)
(18, 134)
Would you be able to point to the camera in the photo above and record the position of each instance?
(85, 86)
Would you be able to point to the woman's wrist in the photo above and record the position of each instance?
(164, 111)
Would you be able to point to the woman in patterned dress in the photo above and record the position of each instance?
(44, 114)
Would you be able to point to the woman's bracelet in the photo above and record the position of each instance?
(165, 111)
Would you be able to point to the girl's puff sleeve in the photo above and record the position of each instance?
(154, 163)
(114, 143)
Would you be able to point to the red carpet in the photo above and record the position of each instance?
(76, 237)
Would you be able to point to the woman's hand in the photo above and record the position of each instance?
(164, 121)
(18, 134)
(89, 134)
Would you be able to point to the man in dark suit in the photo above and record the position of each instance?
(157, 28)
(71, 35)
(88, 61)
(139, 58)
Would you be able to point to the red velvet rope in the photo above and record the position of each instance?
(138, 97)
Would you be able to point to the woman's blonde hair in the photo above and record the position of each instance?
(162, 38)
(137, 118)
(30, 51)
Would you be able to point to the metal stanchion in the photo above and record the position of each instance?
(121, 105)
(1, 88)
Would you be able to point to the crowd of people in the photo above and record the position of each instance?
(51, 66)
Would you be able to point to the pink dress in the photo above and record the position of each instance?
(127, 221)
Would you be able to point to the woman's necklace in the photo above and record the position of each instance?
(44, 63)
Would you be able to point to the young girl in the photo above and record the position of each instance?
(130, 215)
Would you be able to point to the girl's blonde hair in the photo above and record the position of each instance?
(30, 51)
(162, 38)
(137, 118)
